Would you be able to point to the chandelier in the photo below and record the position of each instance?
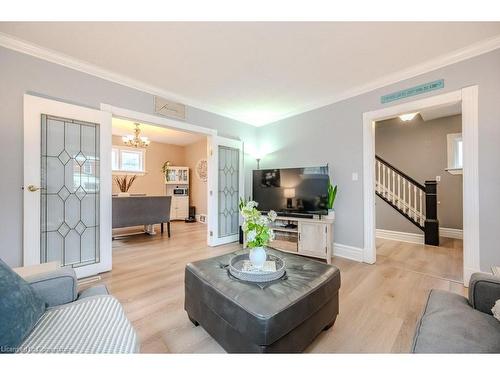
(136, 140)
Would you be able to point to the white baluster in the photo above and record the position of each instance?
(404, 193)
(383, 179)
(399, 191)
(421, 210)
(393, 187)
(378, 167)
(415, 202)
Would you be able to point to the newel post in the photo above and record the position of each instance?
(431, 222)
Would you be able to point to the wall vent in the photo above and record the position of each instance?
(168, 108)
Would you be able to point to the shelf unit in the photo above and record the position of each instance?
(308, 237)
(178, 177)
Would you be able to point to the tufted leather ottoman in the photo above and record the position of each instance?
(284, 316)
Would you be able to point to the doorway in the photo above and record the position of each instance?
(225, 173)
(468, 99)
(418, 187)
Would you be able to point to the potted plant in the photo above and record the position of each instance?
(124, 184)
(165, 168)
(257, 230)
(332, 194)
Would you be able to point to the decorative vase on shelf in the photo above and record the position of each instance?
(331, 214)
(258, 257)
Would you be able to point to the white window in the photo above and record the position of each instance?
(455, 153)
(128, 160)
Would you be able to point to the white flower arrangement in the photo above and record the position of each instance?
(255, 225)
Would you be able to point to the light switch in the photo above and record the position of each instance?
(438, 178)
(354, 176)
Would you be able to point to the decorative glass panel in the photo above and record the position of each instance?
(228, 191)
(69, 212)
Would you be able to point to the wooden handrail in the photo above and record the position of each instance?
(398, 171)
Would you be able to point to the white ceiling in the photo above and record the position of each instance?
(255, 72)
(159, 134)
(442, 111)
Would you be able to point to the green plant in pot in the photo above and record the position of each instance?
(165, 168)
(332, 194)
(257, 231)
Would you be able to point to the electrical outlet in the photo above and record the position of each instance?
(438, 178)
(354, 176)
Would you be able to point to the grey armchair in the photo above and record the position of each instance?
(91, 321)
(452, 324)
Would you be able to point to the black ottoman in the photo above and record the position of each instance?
(279, 317)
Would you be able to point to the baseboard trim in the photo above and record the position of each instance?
(400, 236)
(348, 252)
(451, 233)
(415, 237)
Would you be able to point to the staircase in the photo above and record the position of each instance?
(416, 202)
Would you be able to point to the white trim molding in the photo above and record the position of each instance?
(348, 252)
(400, 236)
(469, 101)
(19, 45)
(417, 238)
(156, 120)
(470, 124)
(451, 233)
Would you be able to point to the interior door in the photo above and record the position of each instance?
(67, 186)
(226, 181)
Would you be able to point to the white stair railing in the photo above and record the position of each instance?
(401, 191)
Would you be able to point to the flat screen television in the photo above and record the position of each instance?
(292, 190)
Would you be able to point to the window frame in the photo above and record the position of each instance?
(119, 150)
(453, 166)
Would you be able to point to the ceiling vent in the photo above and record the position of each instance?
(165, 107)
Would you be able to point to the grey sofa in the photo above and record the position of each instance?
(452, 324)
(91, 321)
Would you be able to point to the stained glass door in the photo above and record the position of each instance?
(226, 190)
(69, 194)
(67, 186)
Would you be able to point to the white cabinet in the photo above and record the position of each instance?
(308, 237)
(179, 209)
(313, 238)
(177, 183)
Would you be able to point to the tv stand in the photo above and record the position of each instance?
(312, 237)
(297, 215)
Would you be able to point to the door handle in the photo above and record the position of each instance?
(33, 188)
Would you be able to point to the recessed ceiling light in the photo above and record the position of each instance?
(408, 116)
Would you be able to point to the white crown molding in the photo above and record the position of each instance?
(465, 53)
(59, 58)
(454, 57)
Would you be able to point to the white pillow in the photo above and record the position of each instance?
(496, 310)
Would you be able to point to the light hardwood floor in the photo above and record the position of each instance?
(379, 304)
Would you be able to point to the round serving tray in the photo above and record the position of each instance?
(256, 276)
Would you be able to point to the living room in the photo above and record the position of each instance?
(223, 196)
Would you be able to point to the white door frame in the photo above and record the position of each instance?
(211, 135)
(34, 107)
(468, 96)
